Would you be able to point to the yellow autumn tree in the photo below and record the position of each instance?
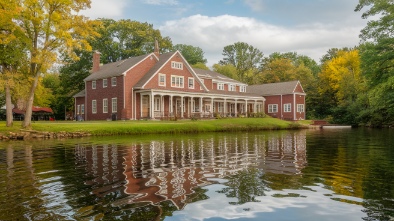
(51, 27)
(341, 78)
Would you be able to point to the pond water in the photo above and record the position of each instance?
(345, 174)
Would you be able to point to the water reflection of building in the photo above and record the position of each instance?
(159, 171)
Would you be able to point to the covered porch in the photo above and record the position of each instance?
(169, 105)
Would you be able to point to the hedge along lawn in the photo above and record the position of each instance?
(101, 128)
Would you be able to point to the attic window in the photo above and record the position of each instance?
(177, 65)
(242, 89)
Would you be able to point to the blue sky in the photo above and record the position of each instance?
(308, 27)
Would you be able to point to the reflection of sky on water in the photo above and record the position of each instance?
(310, 205)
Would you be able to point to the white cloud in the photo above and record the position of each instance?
(106, 9)
(212, 34)
(255, 5)
(161, 2)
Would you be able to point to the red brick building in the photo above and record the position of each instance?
(155, 86)
(284, 100)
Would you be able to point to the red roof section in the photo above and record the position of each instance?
(34, 109)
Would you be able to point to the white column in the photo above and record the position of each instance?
(170, 107)
(182, 111)
(152, 102)
(161, 105)
(200, 106)
(211, 107)
(140, 105)
(225, 107)
(236, 109)
(246, 108)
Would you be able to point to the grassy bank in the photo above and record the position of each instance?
(102, 128)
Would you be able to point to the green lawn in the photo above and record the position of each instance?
(156, 127)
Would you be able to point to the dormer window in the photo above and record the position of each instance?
(232, 87)
(220, 86)
(242, 88)
(177, 65)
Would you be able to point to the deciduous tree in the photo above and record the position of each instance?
(192, 54)
(244, 57)
(51, 27)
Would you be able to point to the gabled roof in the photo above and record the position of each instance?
(80, 94)
(163, 59)
(215, 76)
(116, 68)
(273, 88)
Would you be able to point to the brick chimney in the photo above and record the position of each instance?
(157, 50)
(96, 61)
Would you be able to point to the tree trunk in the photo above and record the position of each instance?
(8, 105)
(29, 108)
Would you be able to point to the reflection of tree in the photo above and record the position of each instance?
(379, 190)
(245, 186)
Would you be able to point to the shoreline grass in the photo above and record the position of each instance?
(107, 128)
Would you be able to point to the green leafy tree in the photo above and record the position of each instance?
(245, 58)
(50, 28)
(192, 54)
(377, 61)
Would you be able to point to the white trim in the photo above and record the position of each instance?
(162, 75)
(105, 111)
(94, 106)
(95, 85)
(112, 105)
(184, 62)
(270, 110)
(188, 82)
(177, 65)
(287, 109)
(124, 93)
(147, 56)
(112, 81)
(106, 81)
(175, 84)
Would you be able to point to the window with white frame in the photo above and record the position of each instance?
(220, 107)
(105, 83)
(242, 88)
(287, 107)
(272, 108)
(300, 108)
(114, 105)
(162, 80)
(177, 81)
(232, 87)
(93, 84)
(78, 109)
(113, 81)
(177, 65)
(82, 108)
(105, 105)
(220, 86)
(157, 104)
(94, 106)
(191, 83)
